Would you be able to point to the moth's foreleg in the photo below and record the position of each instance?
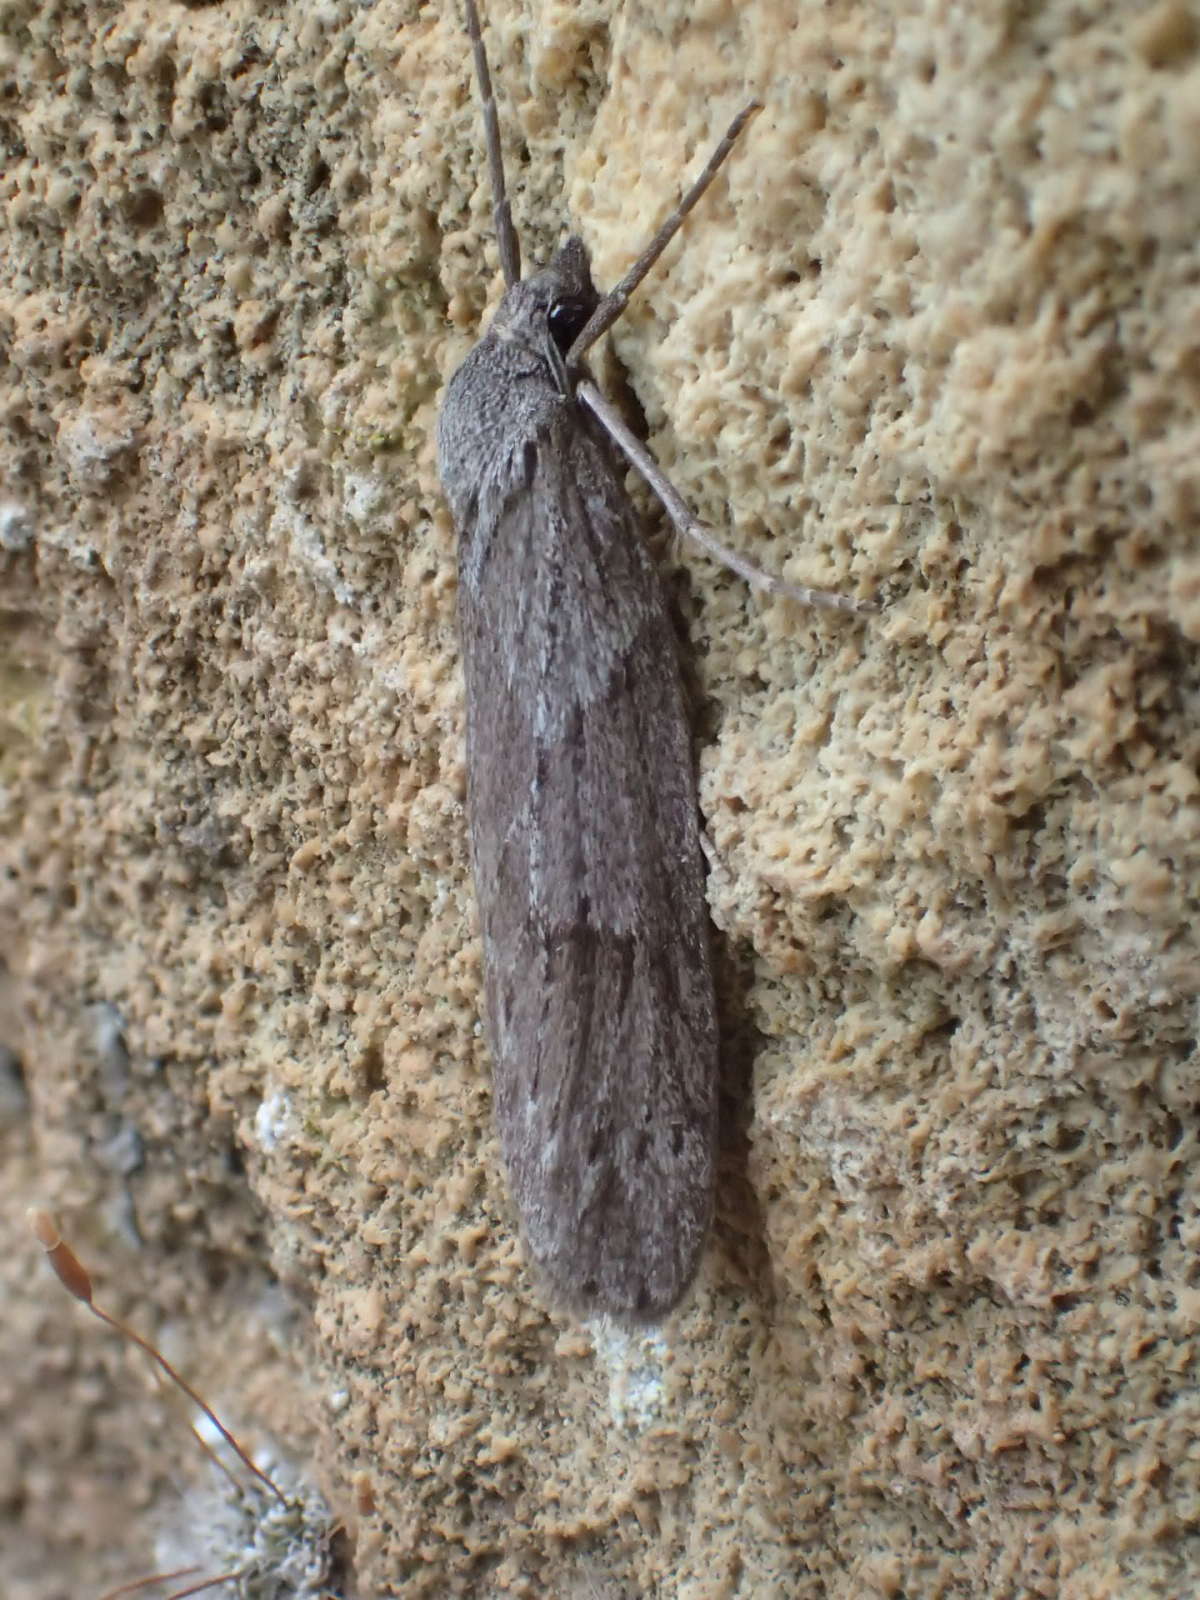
(690, 527)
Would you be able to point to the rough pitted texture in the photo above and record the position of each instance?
(935, 337)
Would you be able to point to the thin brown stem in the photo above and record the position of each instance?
(146, 1583)
(74, 1278)
(209, 1583)
(176, 1378)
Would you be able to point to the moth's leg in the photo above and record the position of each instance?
(615, 301)
(506, 235)
(690, 527)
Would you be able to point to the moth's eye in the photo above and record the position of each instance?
(566, 319)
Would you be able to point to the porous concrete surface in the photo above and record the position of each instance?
(933, 338)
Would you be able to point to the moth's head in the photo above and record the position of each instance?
(552, 305)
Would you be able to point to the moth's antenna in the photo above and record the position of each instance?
(615, 301)
(506, 235)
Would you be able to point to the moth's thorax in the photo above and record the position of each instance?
(514, 383)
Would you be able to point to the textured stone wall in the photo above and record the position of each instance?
(934, 337)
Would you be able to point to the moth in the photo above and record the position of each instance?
(599, 1006)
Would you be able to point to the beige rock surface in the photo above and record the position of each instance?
(936, 337)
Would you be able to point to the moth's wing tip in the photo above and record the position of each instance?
(631, 1302)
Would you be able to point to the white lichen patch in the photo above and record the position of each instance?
(279, 1549)
(636, 1364)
